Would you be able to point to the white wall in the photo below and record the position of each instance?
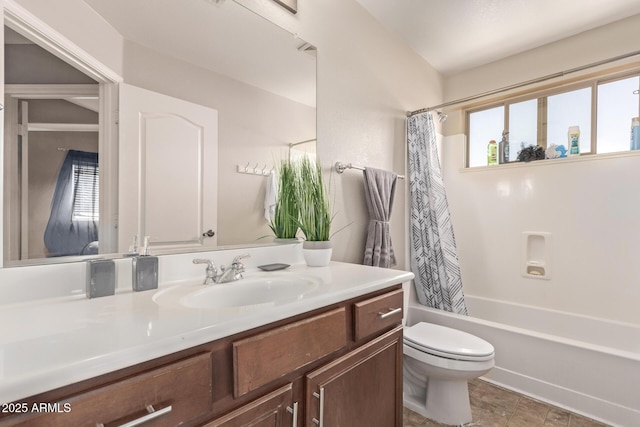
(589, 206)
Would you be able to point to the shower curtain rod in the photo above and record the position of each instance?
(523, 84)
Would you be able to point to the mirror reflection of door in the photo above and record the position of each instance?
(168, 171)
(51, 114)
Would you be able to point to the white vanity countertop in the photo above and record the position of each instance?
(47, 344)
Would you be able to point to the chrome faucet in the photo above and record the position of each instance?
(226, 274)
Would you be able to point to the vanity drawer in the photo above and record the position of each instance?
(177, 393)
(262, 358)
(377, 314)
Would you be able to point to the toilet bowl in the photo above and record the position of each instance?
(438, 363)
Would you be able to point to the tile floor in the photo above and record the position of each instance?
(493, 406)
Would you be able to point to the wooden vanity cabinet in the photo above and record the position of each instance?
(336, 366)
(359, 385)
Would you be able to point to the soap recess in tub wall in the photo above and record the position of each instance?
(536, 252)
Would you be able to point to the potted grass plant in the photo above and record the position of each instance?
(315, 216)
(284, 222)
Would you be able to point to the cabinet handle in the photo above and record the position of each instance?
(151, 415)
(320, 421)
(391, 312)
(294, 413)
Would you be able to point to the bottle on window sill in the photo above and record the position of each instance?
(492, 153)
(635, 133)
(574, 140)
(503, 149)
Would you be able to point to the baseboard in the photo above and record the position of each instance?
(589, 406)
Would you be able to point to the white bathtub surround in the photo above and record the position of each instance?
(586, 204)
(434, 258)
(84, 337)
(587, 365)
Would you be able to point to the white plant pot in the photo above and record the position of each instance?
(317, 254)
(282, 241)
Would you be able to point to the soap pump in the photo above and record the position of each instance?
(133, 248)
(145, 269)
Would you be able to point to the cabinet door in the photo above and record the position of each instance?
(362, 388)
(276, 409)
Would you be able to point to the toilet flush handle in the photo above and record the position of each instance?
(390, 313)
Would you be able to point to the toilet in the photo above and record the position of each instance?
(438, 363)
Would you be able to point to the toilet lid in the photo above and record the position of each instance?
(447, 342)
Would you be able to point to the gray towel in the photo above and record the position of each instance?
(379, 189)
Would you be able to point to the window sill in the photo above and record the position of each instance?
(559, 161)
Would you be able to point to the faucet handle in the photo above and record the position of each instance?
(237, 259)
(237, 266)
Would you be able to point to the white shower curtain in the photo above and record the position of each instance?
(434, 259)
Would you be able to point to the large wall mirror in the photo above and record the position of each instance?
(68, 174)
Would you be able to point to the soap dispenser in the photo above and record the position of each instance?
(101, 278)
(145, 269)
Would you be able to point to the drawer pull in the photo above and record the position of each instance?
(152, 414)
(320, 422)
(389, 313)
(294, 413)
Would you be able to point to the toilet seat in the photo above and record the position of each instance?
(447, 342)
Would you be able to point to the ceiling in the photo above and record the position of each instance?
(456, 35)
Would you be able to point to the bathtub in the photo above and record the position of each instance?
(587, 365)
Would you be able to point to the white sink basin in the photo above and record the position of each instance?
(244, 294)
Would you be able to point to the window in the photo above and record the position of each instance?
(565, 110)
(617, 104)
(85, 195)
(604, 105)
(523, 126)
(482, 127)
(73, 222)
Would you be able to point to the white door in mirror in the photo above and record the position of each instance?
(168, 170)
